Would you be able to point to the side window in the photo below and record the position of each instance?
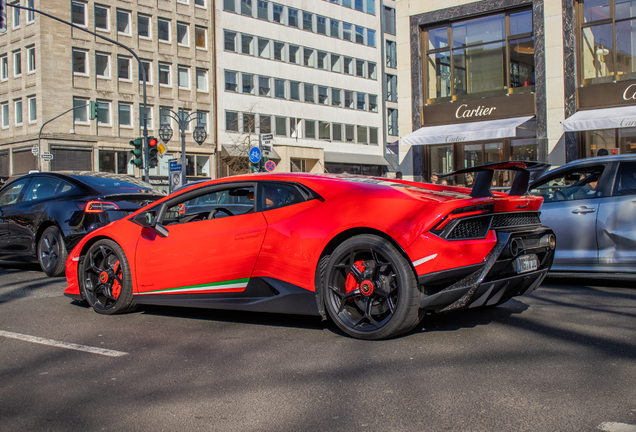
(11, 193)
(220, 203)
(275, 195)
(572, 185)
(45, 187)
(625, 183)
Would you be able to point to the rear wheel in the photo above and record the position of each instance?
(370, 289)
(106, 278)
(52, 252)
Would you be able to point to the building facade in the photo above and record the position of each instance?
(311, 74)
(513, 80)
(47, 68)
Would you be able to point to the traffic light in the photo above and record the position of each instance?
(93, 110)
(152, 152)
(3, 16)
(137, 153)
(254, 167)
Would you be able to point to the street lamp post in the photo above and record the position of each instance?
(199, 135)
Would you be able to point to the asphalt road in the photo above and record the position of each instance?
(562, 359)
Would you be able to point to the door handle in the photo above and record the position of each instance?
(246, 235)
(583, 209)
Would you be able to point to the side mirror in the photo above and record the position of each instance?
(161, 230)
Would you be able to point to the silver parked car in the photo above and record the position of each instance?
(591, 206)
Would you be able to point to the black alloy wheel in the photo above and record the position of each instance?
(52, 252)
(106, 278)
(370, 289)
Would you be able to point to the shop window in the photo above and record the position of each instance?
(113, 161)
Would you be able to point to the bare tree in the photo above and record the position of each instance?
(236, 160)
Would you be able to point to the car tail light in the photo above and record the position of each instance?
(463, 212)
(99, 206)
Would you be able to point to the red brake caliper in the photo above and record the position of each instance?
(116, 286)
(352, 283)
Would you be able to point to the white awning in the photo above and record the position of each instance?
(460, 132)
(608, 118)
(355, 158)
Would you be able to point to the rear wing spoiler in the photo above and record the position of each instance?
(526, 172)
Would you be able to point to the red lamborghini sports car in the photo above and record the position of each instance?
(373, 254)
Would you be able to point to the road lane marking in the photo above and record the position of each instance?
(54, 343)
(616, 427)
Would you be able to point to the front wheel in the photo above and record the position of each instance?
(370, 289)
(106, 279)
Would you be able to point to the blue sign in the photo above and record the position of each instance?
(255, 154)
(175, 165)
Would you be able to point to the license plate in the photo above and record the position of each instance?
(527, 263)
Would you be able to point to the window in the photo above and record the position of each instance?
(148, 116)
(103, 113)
(298, 165)
(362, 135)
(392, 122)
(248, 83)
(265, 124)
(346, 3)
(230, 41)
(264, 86)
(263, 10)
(31, 59)
(337, 132)
(575, 184)
(336, 97)
(249, 123)
(308, 57)
(229, 5)
(335, 63)
(308, 21)
(373, 136)
(200, 37)
(102, 18)
(292, 17)
(310, 129)
(335, 28)
(183, 77)
(279, 51)
(5, 115)
(102, 65)
(33, 112)
(263, 48)
(200, 3)
(371, 38)
(230, 81)
(202, 80)
(30, 14)
(124, 114)
(359, 35)
(80, 110)
(360, 68)
(309, 93)
(16, 15)
(278, 14)
(279, 88)
(163, 30)
(123, 22)
(4, 67)
(322, 60)
(294, 54)
(143, 26)
(348, 99)
(373, 103)
(346, 31)
(349, 133)
(391, 54)
(371, 70)
(146, 65)
(371, 7)
(362, 101)
(359, 5)
(323, 95)
(18, 112)
(79, 62)
(17, 63)
(324, 131)
(321, 25)
(389, 20)
(231, 121)
(113, 161)
(277, 195)
(294, 90)
(281, 126)
(247, 44)
(78, 14)
(348, 65)
(246, 7)
(164, 74)
(295, 127)
(123, 68)
(183, 35)
(391, 88)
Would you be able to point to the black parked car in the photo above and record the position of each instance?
(43, 215)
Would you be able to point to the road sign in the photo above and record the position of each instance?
(35, 150)
(267, 136)
(175, 179)
(255, 154)
(46, 156)
(162, 149)
(175, 166)
(270, 166)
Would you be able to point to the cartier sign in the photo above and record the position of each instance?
(614, 94)
(464, 112)
(630, 92)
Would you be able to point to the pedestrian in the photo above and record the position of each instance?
(434, 178)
